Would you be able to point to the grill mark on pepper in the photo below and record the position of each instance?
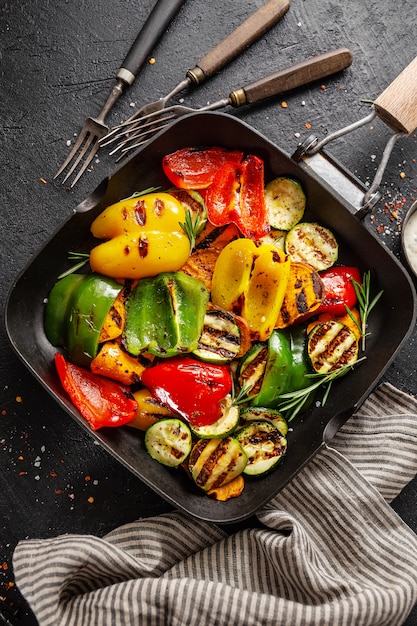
(143, 247)
(140, 213)
(159, 207)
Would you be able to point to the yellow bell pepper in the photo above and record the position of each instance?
(265, 291)
(231, 274)
(251, 280)
(144, 237)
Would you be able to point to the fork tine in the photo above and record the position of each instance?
(73, 152)
(88, 140)
(145, 132)
(87, 161)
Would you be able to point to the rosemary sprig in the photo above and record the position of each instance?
(136, 194)
(294, 401)
(363, 294)
(81, 257)
(243, 395)
(192, 226)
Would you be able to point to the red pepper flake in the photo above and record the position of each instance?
(87, 478)
(22, 473)
(43, 181)
(4, 412)
(323, 87)
(20, 458)
(307, 125)
(9, 585)
(4, 566)
(284, 105)
(90, 500)
(53, 474)
(19, 399)
(58, 492)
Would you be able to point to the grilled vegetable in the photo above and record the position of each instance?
(285, 202)
(280, 366)
(236, 196)
(144, 237)
(115, 320)
(264, 446)
(194, 168)
(233, 489)
(251, 280)
(332, 345)
(222, 427)
(165, 315)
(311, 243)
(194, 390)
(339, 291)
(211, 242)
(215, 462)
(251, 413)
(219, 341)
(168, 441)
(149, 410)
(251, 369)
(114, 362)
(75, 313)
(102, 402)
(302, 297)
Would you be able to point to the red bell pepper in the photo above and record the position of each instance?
(237, 196)
(101, 401)
(191, 388)
(339, 291)
(194, 168)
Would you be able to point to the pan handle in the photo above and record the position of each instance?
(397, 105)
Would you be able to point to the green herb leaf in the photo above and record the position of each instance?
(192, 227)
(136, 194)
(81, 257)
(365, 304)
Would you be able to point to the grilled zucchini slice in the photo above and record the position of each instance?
(332, 345)
(264, 446)
(309, 242)
(168, 441)
(285, 202)
(215, 462)
(222, 427)
(255, 413)
(220, 338)
(251, 368)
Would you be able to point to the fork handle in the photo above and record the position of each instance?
(292, 77)
(156, 24)
(249, 31)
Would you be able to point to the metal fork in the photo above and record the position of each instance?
(141, 130)
(94, 128)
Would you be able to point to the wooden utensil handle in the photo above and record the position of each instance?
(397, 105)
(249, 31)
(294, 76)
(154, 27)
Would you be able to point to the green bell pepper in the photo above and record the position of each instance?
(165, 315)
(75, 312)
(278, 370)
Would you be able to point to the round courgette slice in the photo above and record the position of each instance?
(168, 441)
(256, 413)
(215, 462)
(285, 202)
(264, 446)
(331, 345)
(311, 243)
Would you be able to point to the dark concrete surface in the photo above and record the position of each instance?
(58, 59)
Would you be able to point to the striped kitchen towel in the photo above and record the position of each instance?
(329, 550)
